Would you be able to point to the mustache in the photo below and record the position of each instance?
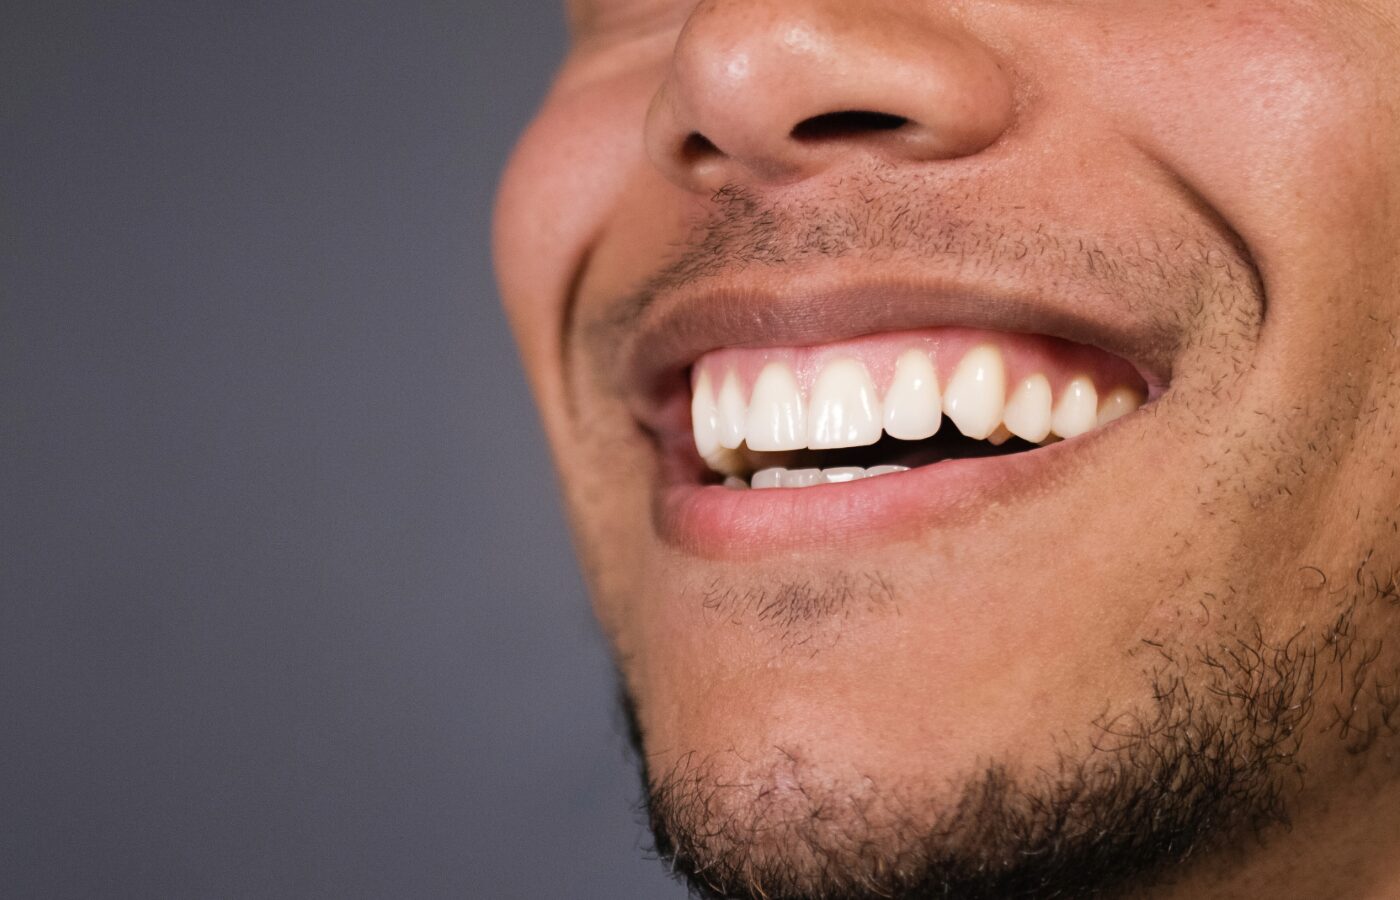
(899, 219)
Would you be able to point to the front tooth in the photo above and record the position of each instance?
(977, 392)
(913, 408)
(1028, 411)
(844, 411)
(843, 474)
(732, 412)
(704, 416)
(1078, 409)
(777, 418)
(875, 471)
(1118, 403)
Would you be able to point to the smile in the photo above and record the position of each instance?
(798, 417)
(811, 418)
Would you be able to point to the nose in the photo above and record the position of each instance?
(776, 91)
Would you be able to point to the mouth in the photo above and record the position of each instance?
(797, 421)
(798, 417)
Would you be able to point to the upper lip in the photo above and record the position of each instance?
(675, 328)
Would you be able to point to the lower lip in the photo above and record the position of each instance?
(716, 522)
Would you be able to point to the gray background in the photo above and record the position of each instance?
(288, 606)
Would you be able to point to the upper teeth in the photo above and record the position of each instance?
(845, 409)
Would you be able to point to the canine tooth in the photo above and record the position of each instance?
(1078, 409)
(704, 416)
(768, 478)
(913, 408)
(875, 471)
(977, 392)
(732, 412)
(1118, 403)
(1027, 413)
(844, 409)
(777, 416)
(842, 474)
(799, 478)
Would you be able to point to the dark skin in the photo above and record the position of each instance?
(1199, 602)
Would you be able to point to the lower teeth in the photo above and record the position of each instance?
(779, 477)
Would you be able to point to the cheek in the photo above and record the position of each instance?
(1272, 116)
(1286, 127)
(564, 179)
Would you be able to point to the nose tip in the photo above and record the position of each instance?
(776, 91)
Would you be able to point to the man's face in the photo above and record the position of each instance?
(747, 241)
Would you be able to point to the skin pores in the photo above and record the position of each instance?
(1203, 190)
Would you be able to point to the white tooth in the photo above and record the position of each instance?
(875, 471)
(732, 412)
(768, 478)
(704, 416)
(777, 416)
(977, 392)
(1078, 409)
(1118, 403)
(842, 474)
(844, 410)
(913, 408)
(1028, 411)
(799, 478)
(734, 483)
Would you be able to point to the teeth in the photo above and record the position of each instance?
(1118, 403)
(778, 477)
(725, 461)
(1078, 409)
(704, 416)
(796, 478)
(777, 416)
(913, 408)
(1028, 411)
(977, 392)
(845, 411)
(733, 412)
(768, 478)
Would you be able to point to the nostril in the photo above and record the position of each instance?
(697, 147)
(852, 123)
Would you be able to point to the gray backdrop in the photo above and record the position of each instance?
(288, 606)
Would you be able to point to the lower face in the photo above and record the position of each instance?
(911, 538)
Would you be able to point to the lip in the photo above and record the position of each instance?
(674, 329)
(663, 336)
(718, 523)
